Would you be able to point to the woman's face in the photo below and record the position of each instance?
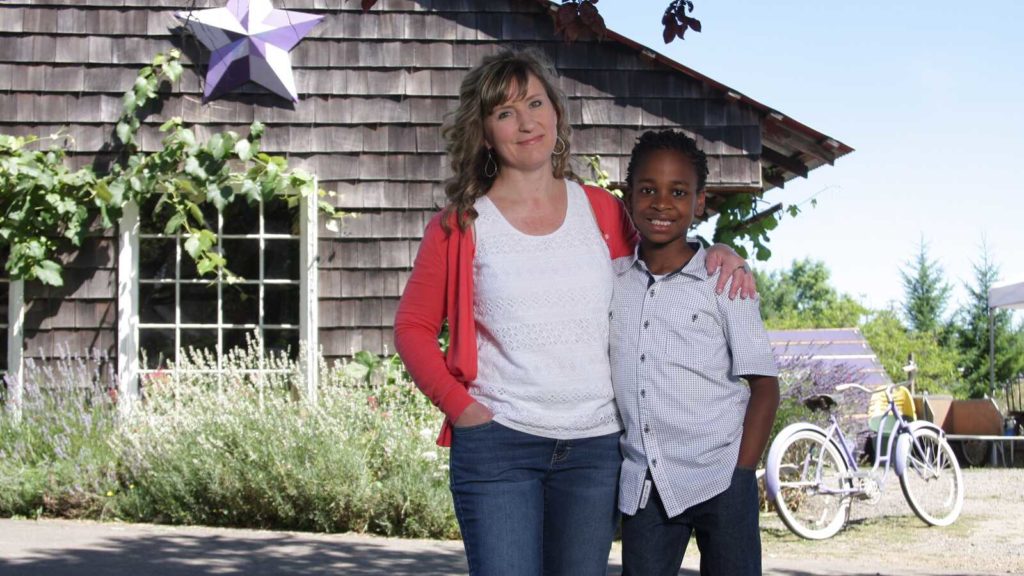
(521, 133)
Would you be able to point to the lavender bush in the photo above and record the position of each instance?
(234, 448)
(55, 453)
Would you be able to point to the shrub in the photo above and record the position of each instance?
(55, 454)
(237, 448)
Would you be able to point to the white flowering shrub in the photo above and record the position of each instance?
(237, 447)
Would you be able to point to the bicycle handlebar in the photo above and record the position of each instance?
(844, 387)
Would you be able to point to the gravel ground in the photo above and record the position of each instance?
(988, 538)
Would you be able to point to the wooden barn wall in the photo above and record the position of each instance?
(374, 89)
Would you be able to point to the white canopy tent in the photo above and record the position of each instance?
(1004, 296)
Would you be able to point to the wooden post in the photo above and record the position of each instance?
(128, 309)
(991, 355)
(15, 332)
(911, 369)
(309, 279)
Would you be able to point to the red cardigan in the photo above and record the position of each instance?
(441, 287)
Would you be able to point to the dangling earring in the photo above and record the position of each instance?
(557, 151)
(490, 167)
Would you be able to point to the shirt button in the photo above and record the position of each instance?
(647, 324)
(643, 357)
(654, 462)
(647, 429)
(652, 292)
(643, 393)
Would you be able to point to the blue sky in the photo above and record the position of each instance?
(929, 93)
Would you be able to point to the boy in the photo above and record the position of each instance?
(694, 431)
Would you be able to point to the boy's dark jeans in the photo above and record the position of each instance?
(726, 528)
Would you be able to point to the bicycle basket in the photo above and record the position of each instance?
(878, 405)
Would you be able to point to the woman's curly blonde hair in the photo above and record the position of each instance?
(488, 85)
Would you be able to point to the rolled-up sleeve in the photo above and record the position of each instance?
(747, 337)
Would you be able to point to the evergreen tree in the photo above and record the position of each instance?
(973, 335)
(926, 292)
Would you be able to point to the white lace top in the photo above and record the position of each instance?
(541, 308)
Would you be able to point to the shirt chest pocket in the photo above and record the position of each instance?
(622, 332)
(691, 337)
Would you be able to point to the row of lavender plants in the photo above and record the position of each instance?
(228, 448)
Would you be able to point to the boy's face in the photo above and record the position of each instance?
(664, 198)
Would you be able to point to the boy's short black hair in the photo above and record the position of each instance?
(668, 140)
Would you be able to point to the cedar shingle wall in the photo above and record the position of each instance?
(374, 89)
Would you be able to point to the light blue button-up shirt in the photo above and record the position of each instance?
(678, 351)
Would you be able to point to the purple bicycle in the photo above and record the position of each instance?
(813, 477)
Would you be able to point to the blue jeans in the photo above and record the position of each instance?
(529, 505)
(726, 528)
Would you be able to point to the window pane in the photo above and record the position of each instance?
(149, 222)
(241, 304)
(279, 219)
(237, 340)
(5, 290)
(156, 303)
(281, 260)
(281, 305)
(276, 342)
(199, 341)
(156, 348)
(243, 257)
(156, 258)
(198, 304)
(188, 265)
(241, 218)
(3, 348)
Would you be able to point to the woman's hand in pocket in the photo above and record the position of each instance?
(474, 415)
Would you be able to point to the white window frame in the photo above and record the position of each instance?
(129, 368)
(15, 328)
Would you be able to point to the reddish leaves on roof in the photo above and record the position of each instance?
(575, 18)
(676, 22)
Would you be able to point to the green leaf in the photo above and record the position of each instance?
(251, 191)
(243, 149)
(170, 124)
(174, 223)
(215, 195)
(192, 245)
(188, 138)
(209, 262)
(124, 133)
(217, 146)
(192, 168)
(173, 71)
(48, 272)
(196, 212)
(129, 103)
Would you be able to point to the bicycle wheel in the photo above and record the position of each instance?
(813, 498)
(931, 481)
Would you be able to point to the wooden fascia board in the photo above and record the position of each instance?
(807, 133)
(781, 160)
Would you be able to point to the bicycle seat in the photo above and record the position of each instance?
(824, 402)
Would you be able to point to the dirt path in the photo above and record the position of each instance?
(987, 539)
(885, 539)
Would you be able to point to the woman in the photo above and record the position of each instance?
(519, 264)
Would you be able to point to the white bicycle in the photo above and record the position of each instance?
(813, 477)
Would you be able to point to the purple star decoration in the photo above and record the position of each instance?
(250, 41)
